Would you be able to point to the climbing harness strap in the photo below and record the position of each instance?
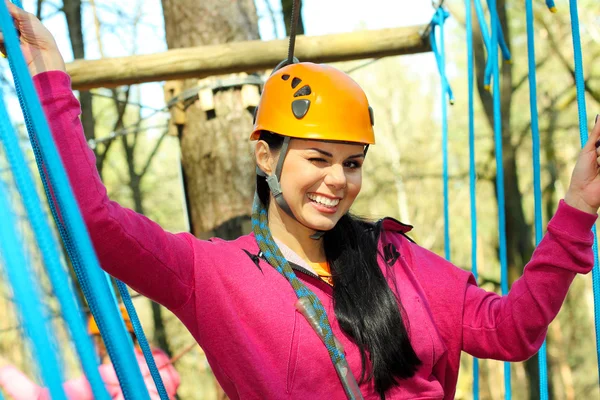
(308, 303)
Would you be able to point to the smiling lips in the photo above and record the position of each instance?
(323, 200)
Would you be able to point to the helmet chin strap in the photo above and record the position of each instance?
(275, 186)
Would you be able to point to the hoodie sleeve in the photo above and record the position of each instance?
(513, 327)
(129, 246)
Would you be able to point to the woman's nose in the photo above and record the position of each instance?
(336, 177)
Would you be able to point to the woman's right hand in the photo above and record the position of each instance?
(37, 43)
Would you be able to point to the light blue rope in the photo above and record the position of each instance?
(499, 174)
(503, 46)
(487, 41)
(92, 278)
(583, 135)
(143, 342)
(472, 168)
(27, 295)
(50, 254)
(139, 333)
(485, 36)
(438, 20)
(537, 185)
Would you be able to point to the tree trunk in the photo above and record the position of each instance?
(518, 231)
(216, 154)
(72, 10)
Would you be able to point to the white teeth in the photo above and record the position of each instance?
(324, 200)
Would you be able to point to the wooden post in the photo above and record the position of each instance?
(248, 56)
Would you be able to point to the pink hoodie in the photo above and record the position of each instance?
(241, 311)
(20, 387)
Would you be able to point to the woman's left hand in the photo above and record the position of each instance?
(584, 190)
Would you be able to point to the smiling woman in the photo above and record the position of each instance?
(390, 312)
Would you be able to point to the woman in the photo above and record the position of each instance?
(20, 387)
(400, 314)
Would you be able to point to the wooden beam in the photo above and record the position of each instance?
(250, 56)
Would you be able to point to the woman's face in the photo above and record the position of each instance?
(320, 180)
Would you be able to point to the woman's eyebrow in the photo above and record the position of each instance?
(325, 153)
(321, 151)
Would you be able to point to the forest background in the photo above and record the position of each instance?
(149, 164)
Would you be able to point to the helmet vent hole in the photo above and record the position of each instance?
(300, 108)
(285, 77)
(303, 91)
(296, 82)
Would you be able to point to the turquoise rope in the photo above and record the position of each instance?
(135, 322)
(472, 168)
(438, 20)
(537, 185)
(499, 175)
(91, 277)
(487, 41)
(34, 315)
(143, 342)
(583, 135)
(317, 313)
(50, 254)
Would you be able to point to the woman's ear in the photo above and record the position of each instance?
(264, 158)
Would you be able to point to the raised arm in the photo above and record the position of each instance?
(513, 327)
(130, 247)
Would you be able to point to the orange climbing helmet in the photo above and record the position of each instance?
(314, 101)
(93, 327)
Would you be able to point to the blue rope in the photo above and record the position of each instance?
(499, 173)
(485, 36)
(487, 41)
(537, 185)
(551, 6)
(49, 249)
(472, 168)
(27, 295)
(438, 20)
(583, 135)
(143, 342)
(139, 333)
(92, 278)
(503, 46)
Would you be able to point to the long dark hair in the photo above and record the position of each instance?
(365, 306)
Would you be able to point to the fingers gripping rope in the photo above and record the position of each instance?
(583, 134)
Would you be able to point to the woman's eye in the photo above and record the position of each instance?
(352, 164)
(317, 160)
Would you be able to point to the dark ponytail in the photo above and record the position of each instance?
(365, 306)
